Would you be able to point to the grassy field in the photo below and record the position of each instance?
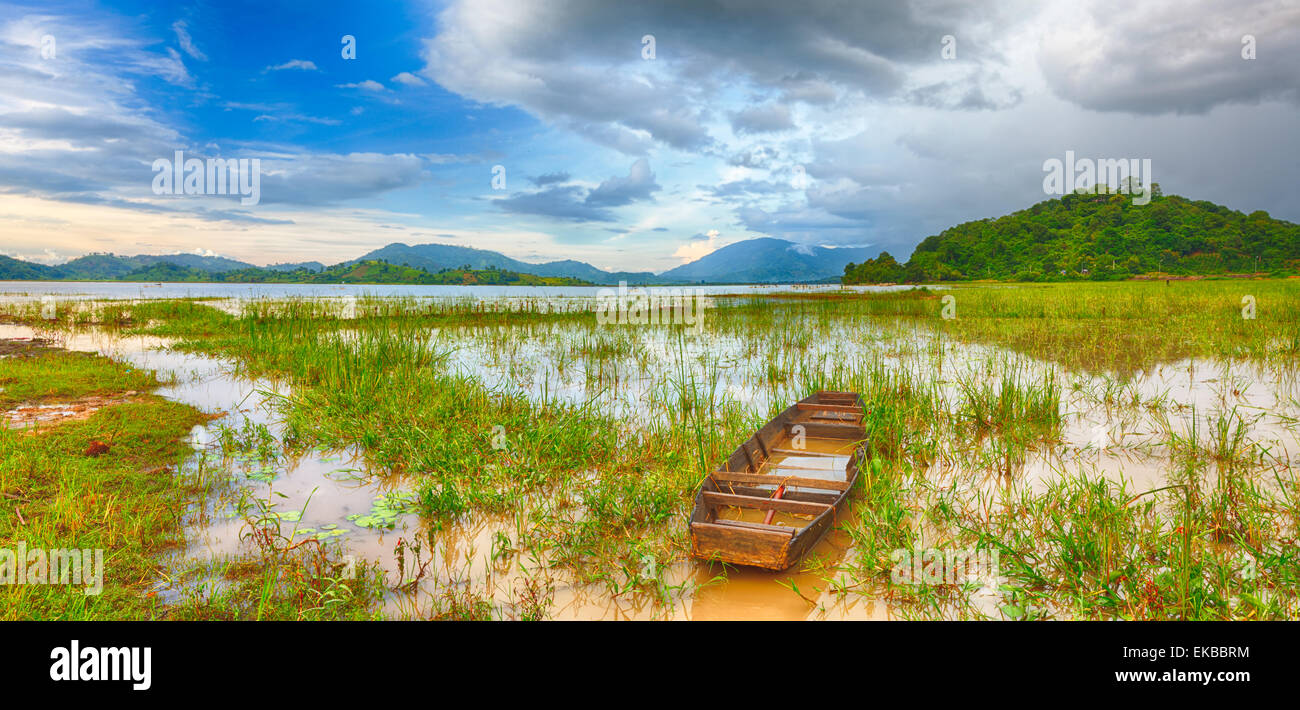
(1122, 448)
(111, 480)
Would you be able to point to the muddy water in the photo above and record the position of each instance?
(1112, 428)
(323, 493)
(1118, 428)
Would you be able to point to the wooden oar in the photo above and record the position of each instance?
(767, 519)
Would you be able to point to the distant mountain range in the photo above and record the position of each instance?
(360, 272)
(768, 261)
(436, 257)
(751, 261)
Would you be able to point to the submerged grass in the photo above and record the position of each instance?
(595, 439)
(114, 482)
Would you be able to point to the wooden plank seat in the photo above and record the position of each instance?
(756, 526)
(834, 408)
(772, 479)
(796, 452)
(780, 505)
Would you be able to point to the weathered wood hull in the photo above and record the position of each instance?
(813, 481)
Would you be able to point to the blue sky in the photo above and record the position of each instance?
(822, 123)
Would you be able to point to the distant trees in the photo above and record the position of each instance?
(882, 269)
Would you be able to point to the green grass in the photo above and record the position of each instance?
(123, 501)
(49, 375)
(57, 492)
(959, 411)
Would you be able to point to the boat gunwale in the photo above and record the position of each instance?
(800, 542)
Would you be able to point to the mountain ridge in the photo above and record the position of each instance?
(766, 260)
(762, 260)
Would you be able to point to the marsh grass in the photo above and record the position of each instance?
(43, 375)
(128, 496)
(595, 439)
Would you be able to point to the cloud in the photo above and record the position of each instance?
(549, 178)
(808, 89)
(172, 69)
(699, 246)
(758, 157)
(367, 85)
(1181, 56)
(49, 257)
(747, 187)
(897, 143)
(408, 79)
(589, 75)
(186, 42)
(805, 223)
(298, 64)
(558, 202)
(986, 93)
(297, 118)
(768, 118)
(617, 191)
(325, 179)
(576, 203)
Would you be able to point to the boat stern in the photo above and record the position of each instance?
(756, 548)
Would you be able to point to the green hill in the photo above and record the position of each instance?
(1097, 236)
(16, 270)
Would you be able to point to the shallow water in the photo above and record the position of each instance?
(327, 487)
(26, 290)
(1117, 428)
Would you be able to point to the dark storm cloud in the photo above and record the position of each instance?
(1183, 57)
(588, 70)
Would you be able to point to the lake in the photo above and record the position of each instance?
(21, 290)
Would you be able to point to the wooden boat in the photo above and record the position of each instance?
(778, 494)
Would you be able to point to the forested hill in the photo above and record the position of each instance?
(1097, 236)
